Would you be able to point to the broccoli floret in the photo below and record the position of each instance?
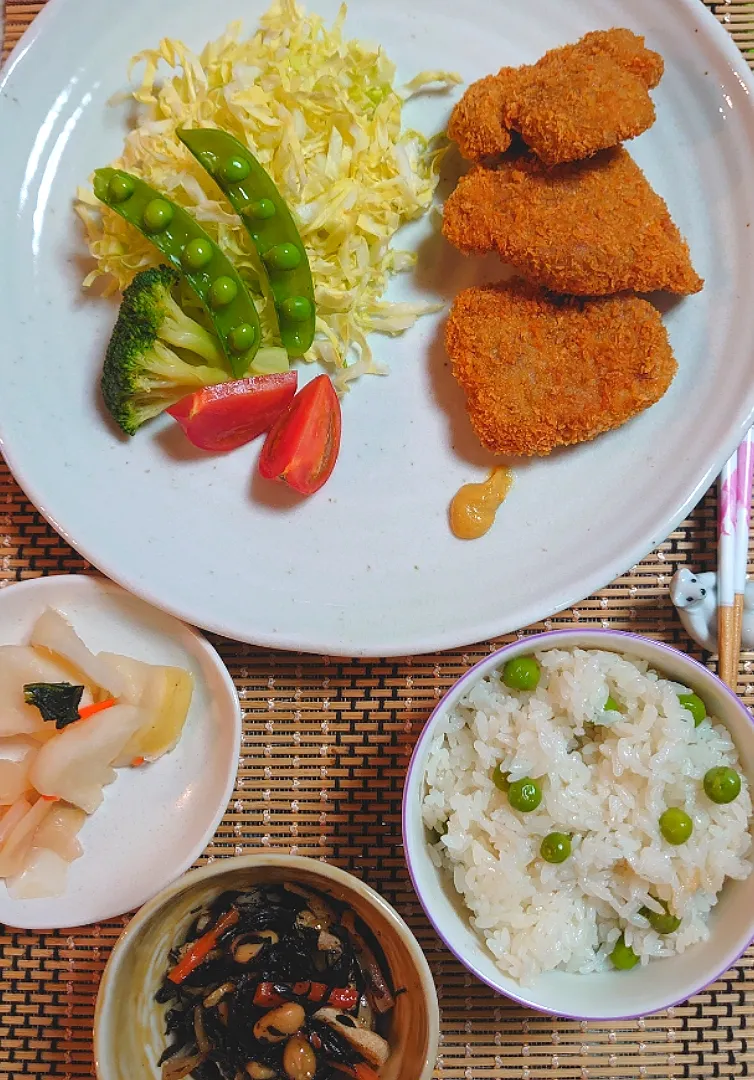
(149, 298)
(142, 376)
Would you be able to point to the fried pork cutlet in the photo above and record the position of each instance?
(540, 373)
(590, 228)
(575, 101)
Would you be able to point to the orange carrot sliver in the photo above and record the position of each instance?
(137, 761)
(97, 706)
(50, 798)
(202, 946)
(359, 1072)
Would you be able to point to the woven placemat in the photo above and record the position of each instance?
(325, 748)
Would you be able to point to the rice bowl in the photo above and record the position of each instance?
(609, 777)
(543, 933)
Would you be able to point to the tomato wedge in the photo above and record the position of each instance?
(302, 447)
(229, 414)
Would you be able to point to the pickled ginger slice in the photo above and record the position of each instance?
(11, 817)
(164, 696)
(44, 874)
(38, 866)
(18, 842)
(76, 764)
(132, 674)
(53, 632)
(16, 756)
(59, 831)
(20, 665)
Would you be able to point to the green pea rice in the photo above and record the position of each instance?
(606, 778)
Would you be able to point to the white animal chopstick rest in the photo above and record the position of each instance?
(695, 597)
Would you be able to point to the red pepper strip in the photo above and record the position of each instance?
(345, 998)
(200, 948)
(265, 996)
(358, 1072)
(50, 798)
(97, 706)
(314, 991)
(317, 992)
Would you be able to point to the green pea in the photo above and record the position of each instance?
(662, 923)
(222, 292)
(197, 254)
(611, 705)
(282, 257)
(261, 209)
(694, 704)
(242, 337)
(676, 825)
(722, 784)
(623, 956)
(500, 779)
(158, 213)
(525, 795)
(522, 673)
(236, 169)
(555, 847)
(120, 188)
(296, 308)
(297, 341)
(208, 160)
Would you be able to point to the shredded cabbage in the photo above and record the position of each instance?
(323, 115)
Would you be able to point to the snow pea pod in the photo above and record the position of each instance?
(253, 195)
(183, 241)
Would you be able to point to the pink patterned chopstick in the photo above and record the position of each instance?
(744, 467)
(734, 511)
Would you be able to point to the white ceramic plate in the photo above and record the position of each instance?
(368, 566)
(156, 820)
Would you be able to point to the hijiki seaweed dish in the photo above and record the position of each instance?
(276, 982)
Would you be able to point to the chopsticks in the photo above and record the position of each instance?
(734, 512)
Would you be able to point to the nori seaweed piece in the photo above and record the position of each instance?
(58, 701)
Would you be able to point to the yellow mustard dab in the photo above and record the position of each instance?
(474, 506)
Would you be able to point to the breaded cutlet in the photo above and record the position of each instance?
(590, 228)
(575, 101)
(540, 372)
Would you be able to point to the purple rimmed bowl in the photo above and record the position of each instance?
(609, 995)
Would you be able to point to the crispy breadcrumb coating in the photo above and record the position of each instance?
(590, 228)
(575, 101)
(479, 122)
(540, 372)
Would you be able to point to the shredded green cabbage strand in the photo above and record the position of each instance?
(323, 115)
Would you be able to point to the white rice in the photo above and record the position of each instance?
(608, 786)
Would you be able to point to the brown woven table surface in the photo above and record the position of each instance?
(325, 748)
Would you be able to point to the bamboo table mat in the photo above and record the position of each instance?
(325, 747)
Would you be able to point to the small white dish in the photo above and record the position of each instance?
(607, 995)
(369, 565)
(155, 820)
